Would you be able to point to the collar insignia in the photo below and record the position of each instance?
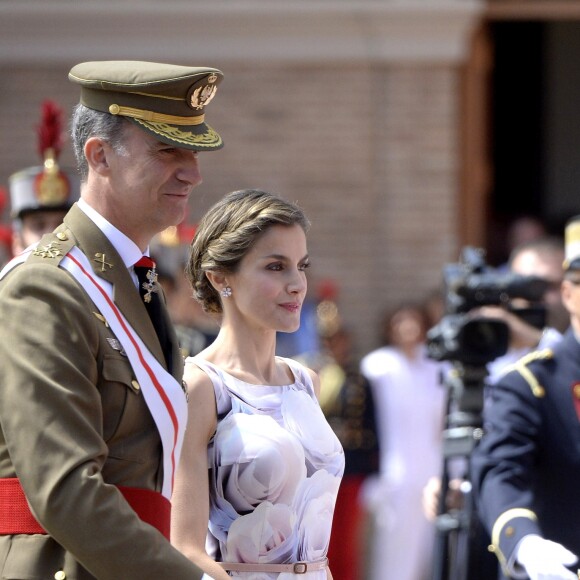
(100, 259)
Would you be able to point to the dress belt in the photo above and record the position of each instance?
(16, 517)
(296, 568)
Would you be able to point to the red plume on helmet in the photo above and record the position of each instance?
(50, 130)
(45, 186)
(52, 185)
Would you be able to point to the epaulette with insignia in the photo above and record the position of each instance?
(521, 366)
(53, 247)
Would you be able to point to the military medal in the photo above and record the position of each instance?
(151, 285)
(116, 345)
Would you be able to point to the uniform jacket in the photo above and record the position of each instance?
(526, 470)
(73, 420)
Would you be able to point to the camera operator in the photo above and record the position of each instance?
(543, 259)
(526, 468)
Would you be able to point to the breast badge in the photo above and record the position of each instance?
(116, 345)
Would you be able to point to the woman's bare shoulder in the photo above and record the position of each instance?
(196, 378)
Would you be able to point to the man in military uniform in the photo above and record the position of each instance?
(92, 408)
(41, 195)
(527, 467)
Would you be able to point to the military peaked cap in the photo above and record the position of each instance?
(167, 101)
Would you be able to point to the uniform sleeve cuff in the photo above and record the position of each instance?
(507, 532)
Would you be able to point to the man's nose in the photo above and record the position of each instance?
(189, 171)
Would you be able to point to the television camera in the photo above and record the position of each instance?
(469, 341)
(476, 340)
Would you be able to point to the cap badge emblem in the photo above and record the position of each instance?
(202, 96)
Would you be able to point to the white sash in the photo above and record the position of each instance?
(16, 260)
(163, 393)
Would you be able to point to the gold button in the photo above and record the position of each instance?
(135, 385)
(509, 531)
(114, 109)
(60, 575)
(62, 236)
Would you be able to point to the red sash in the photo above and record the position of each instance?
(16, 517)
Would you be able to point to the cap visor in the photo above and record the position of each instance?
(194, 137)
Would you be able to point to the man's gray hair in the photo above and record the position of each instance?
(86, 123)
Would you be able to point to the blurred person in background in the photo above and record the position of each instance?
(521, 230)
(525, 229)
(41, 195)
(347, 402)
(542, 258)
(410, 408)
(434, 305)
(5, 231)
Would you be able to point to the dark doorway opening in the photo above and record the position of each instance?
(535, 127)
(517, 121)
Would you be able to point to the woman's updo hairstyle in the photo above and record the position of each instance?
(227, 232)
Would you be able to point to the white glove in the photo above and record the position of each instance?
(545, 560)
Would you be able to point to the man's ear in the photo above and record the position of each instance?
(96, 151)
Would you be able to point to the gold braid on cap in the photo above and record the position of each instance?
(153, 117)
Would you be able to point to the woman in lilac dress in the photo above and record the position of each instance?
(260, 466)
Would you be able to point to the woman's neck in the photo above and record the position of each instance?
(246, 356)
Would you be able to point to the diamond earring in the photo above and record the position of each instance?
(226, 292)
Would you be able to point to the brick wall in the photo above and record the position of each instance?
(369, 152)
(351, 109)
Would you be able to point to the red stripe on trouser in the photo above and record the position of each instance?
(16, 517)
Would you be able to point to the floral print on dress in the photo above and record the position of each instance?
(275, 467)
